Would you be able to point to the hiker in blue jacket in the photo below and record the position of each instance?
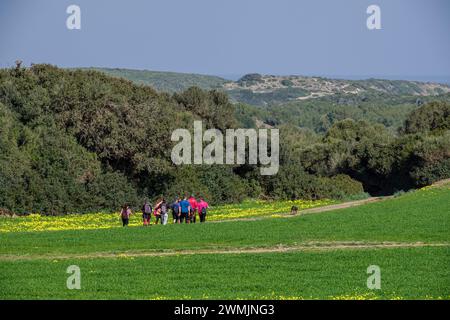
(185, 207)
(176, 210)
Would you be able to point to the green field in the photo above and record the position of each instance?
(322, 255)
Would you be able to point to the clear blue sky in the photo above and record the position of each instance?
(311, 37)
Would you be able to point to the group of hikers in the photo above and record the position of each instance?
(183, 211)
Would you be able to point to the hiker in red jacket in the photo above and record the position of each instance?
(157, 211)
(193, 204)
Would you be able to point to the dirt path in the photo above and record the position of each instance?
(307, 246)
(332, 207)
(312, 210)
(440, 183)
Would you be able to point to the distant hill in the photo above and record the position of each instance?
(166, 81)
(256, 89)
(261, 90)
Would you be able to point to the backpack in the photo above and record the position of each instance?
(147, 209)
(203, 211)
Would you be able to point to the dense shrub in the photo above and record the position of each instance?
(429, 117)
(340, 187)
(82, 141)
(431, 159)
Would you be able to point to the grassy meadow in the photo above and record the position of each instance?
(313, 256)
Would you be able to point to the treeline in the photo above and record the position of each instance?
(81, 141)
(166, 81)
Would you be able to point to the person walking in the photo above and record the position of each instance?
(164, 212)
(125, 215)
(185, 209)
(176, 210)
(146, 213)
(157, 211)
(202, 205)
(193, 211)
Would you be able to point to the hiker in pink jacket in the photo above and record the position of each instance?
(202, 205)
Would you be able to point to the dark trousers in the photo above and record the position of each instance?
(202, 217)
(146, 218)
(125, 222)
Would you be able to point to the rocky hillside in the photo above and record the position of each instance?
(259, 89)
